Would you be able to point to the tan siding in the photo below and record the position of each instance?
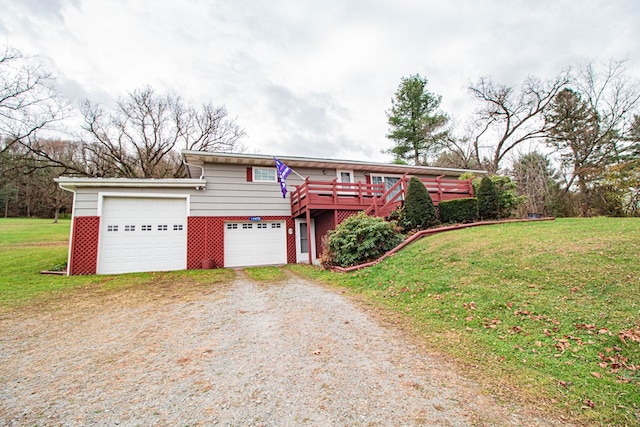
(86, 203)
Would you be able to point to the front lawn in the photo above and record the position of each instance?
(547, 310)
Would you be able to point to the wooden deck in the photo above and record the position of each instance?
(333, 195)
(371, 198)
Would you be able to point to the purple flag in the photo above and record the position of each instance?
(283, 173)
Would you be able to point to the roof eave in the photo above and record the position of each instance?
(73, 182)
(264, 160)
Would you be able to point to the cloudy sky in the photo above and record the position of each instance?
(313, 78)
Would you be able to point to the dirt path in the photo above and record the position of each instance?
(249, 354)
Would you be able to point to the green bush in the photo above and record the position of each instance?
(418, 211)
(359, 239)
(506, 191)
(488, 207)
(459, 210)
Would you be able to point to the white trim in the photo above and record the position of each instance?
(385, 175)
(73, 182)
(73, 228)
(339, 173)
(303, 258)
(275, 174)
(102, 195)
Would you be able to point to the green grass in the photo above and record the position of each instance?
(534, 308)
(29, 246)
(265, 274)
(22, 231)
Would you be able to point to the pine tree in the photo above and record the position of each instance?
(417, 126)
(419, 211)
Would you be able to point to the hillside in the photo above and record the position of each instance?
(547, 310)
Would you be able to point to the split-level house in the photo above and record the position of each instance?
(230, 211)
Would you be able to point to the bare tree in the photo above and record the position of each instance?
(142, 137)
(593, 125)
(534, 177)
(28, 99)
(507, 117)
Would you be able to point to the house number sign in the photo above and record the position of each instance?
(255, 218)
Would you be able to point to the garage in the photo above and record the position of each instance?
(142, 234)
(255, 243)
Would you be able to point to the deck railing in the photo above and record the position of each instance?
(333, 195)
(371, 198)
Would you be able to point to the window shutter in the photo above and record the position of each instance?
(367, 178)
(249, 174)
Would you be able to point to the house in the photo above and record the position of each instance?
(230, 212)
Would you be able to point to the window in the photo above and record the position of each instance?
(304, 241)
(146, 227)
(246, 226)
(388, 181)
(345, 176)
(264, 175)
(112, 228)
(162, 227)
(129, 228)
(276, 225)
(232, 226)
(177, 227)
(262, 225)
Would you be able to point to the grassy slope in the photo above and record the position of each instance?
(535, 306)
(28, 246)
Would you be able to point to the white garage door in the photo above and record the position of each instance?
(142, 234)
(255, 243)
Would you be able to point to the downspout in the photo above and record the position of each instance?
(73, 221)
(197, 166)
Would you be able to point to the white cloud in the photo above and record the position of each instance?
(313, 77)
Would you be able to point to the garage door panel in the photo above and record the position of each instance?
(257, 243)
(142, 234)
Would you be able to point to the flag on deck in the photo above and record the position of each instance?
(283, 173)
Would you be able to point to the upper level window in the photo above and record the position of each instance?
(345, 176)
(264, 175)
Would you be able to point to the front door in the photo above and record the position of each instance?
(302, 241)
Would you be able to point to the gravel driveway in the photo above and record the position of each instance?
(246, 354)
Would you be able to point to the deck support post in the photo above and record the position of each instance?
(310, 248)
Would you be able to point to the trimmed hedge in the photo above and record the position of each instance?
(488, 203)
(459, 210)
(418, 212)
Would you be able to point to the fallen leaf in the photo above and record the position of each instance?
(595, 374)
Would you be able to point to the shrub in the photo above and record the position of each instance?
(459, 210)
(506, 193)
(487, 200)
(419, 211)
(358, 239)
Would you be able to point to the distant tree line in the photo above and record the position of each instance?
(141, 137)
(571, 144)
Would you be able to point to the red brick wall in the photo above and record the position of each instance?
(84, 245)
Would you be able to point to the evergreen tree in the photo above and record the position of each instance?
(419, 211)
(416, 124)
(488, 206)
